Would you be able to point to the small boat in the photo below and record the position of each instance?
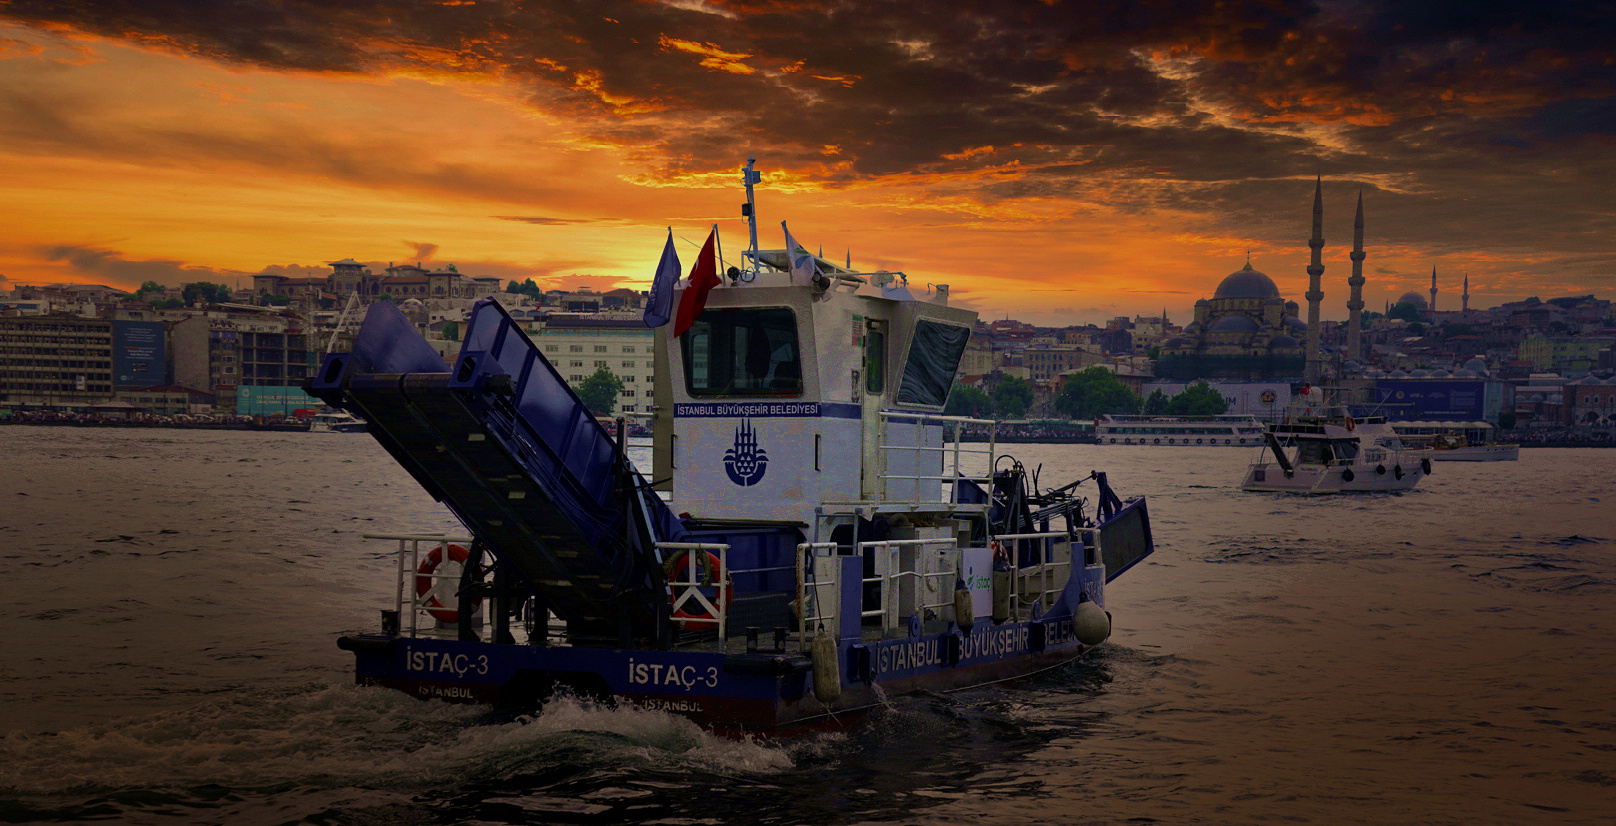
(1458, 442)
(336, 421)
(1231, 430)
(814, 543)
(1322, 448)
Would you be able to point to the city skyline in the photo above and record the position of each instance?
(1053, 165)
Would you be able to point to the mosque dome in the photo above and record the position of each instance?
(1292, 308)
(1246, 283)
(1350, 366)
(1283, 340)
(411, 303)
(1397, 374)
(1235, 322)
(1412, 297)
(1421, 373)
(1439, 373)
(1462, 373)
(1201, 302)
(1296, 325)
(1477, 365)
(1611, 380)
(1177, 341)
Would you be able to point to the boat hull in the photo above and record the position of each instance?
(745, 693)
(1319, 479)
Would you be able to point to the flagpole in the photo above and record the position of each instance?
(719, 243)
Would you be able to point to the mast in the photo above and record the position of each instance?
(750, 176)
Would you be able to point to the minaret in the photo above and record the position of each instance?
(1433, 292)
(1464, 298)
(1356, 282)
(1314, 295)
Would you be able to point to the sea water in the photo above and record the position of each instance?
(1445, 655)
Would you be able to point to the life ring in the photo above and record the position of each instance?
(1380, 470)
(1425, 465)
(1169, 441)
(1347, 475)
(1158, 441)
(1350, 423)
(725, 593)
(1198, 441)
(424, 580)
(1397, 471)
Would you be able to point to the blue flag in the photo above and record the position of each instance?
(659, 305)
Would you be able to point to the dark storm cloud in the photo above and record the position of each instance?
(885, 88)
(1135, 104)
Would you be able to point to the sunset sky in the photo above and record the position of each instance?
(1056, 162)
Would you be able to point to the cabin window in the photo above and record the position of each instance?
(746, 352)
(1346, 450)
(875, 361)
(934, 355)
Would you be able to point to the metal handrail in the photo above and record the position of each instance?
(1048, 562)
(408, 572)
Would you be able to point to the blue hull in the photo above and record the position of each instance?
(748, 693)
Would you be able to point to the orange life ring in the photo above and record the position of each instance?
(725, 593)
(1350, 423)
(424, 580)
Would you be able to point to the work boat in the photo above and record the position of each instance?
(1324, 449)
(823, 543)
(336, 421)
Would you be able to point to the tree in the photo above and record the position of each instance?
(1199, 399)
(1367, 316)
(599, 391)
(1012, 398)
(527, 287)
(964, 400)
(205, 292)
(149, 287)
(1415, 328)
(277, 300)
(1095, 392)
(451, 331)
(1155, 403)
(1457, 329)
(1506, 419)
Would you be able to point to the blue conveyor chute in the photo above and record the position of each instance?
(502, 440)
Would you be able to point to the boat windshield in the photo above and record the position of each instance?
(743, 352)
(934, 355)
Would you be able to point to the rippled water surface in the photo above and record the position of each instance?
(1446, 655)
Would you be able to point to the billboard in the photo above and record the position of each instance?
(1403, 400)
(139, 358)
(267, 401)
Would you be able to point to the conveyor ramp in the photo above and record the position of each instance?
(504, 442)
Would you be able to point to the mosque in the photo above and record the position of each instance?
(1245, 331)
(1248, 332)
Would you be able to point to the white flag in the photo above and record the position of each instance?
(803, 267)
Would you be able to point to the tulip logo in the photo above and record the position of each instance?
(745, 461)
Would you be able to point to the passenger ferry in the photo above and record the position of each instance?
(816, 539)
(1230, 430)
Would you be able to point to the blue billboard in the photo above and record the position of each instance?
(1404, 400)
(139, 358)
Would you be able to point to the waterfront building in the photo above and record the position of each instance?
(578, 345)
